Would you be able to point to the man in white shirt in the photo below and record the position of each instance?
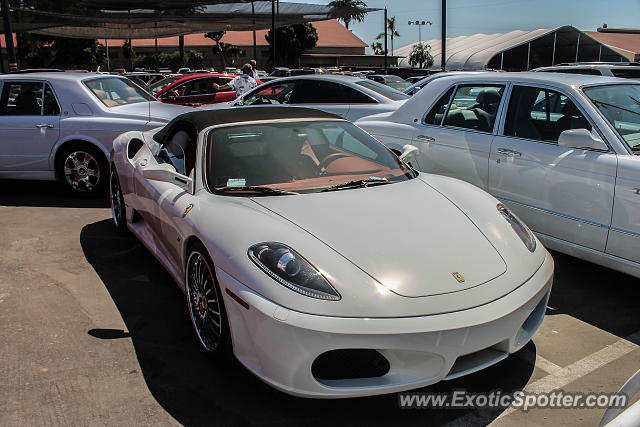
(241, 84)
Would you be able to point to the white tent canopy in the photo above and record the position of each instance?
(516, 50)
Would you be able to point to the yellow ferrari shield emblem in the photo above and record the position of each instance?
(187, 209)
(458, 277)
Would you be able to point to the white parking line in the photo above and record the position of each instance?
(558, 377)
(579, 369)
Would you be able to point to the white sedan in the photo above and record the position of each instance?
(560, 150)
(349, 97)
(318, 258)
(58, 125)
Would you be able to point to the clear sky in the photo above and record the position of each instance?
(492, 16)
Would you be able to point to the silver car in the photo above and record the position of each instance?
(58, 125)
(348, 97)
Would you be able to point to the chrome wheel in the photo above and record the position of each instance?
(203, 301)
(81, 171)
(116, 198)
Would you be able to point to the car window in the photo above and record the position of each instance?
(626, 73)
(474, 107)
(317, 92)
(21, 99)
(51, 106)
(620, 105)
(435, 116)
(300, 156)
(179, 151)
(541, 114)
(337, 137)
(384, 90)
(116, 91)
(274, 94)
(353, 96)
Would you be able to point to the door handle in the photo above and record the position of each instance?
(510, 153)
(425, 138)
(44, 126)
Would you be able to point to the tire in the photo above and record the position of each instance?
(82, 169)
(208, 315)
(118, 210)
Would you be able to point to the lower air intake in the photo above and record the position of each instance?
(349, 364)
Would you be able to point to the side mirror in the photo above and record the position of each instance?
(581, 138)
(409, 152)
(166, 173)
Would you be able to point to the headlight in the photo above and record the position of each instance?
(290, 269)
(521, 230)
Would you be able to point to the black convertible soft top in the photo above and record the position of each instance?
(202, 119)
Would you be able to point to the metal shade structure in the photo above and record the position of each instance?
(149, 4)
(517, 50)
(158, 23)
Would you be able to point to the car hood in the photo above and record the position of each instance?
(407, 236)
(150, 111)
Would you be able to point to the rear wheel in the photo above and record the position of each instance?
(118, 211)
(83, 169)
(205, 305)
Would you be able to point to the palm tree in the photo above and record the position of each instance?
(348, 10)
(420, 55)
(391, 27)
(377, 48)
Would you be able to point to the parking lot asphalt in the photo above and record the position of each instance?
(95, 332)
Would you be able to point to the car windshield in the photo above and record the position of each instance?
(620, 104)
(116, 91)
(384, 90)
(273, 158)
(158, 86)
(399, 85)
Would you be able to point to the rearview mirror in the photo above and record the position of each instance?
(581, 138)
(166, 173)
(409, 152)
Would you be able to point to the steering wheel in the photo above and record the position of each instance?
(329, 159)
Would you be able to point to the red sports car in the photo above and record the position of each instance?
(197, 89)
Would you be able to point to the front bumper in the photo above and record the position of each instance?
(280, 345)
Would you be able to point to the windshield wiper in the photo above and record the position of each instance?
(267, 191)
(358, 183)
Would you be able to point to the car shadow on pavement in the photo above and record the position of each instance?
(196, 390)
(46, 194)
(602, 297)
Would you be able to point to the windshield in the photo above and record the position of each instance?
(398, 84)
(298, 157)
(620, 104)
(158, 86)
(384, 90)
(116, 91)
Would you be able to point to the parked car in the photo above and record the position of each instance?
(560, 150)
(197, 90)
(629, 70)
(275, 222)
(348, 97)
(62, 125)
(398, 83)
